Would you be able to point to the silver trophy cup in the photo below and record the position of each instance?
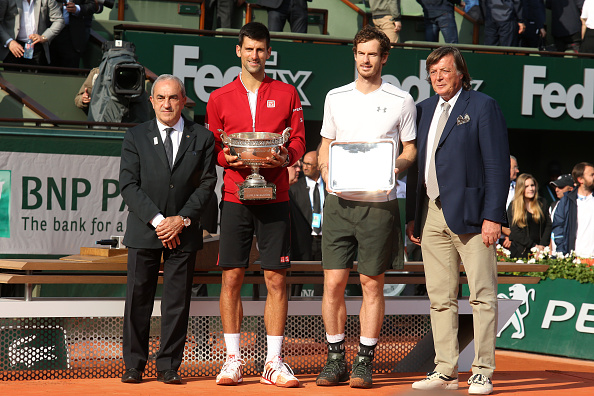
(252, 148)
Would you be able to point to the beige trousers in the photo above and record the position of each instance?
(386, 25)
(442, 251)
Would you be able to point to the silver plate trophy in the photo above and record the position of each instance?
(362, 166)
(253, 148)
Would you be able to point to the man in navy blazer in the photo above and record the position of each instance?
(455, 208)
(167, 176)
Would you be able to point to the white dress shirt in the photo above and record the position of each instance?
(311, 185)
(176, 136)
(28, 21)
(433, 128)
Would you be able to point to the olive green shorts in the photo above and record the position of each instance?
(368, 231)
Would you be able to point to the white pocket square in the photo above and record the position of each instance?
(462, 120)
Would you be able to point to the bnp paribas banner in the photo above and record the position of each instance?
(556, 317)
(52, 203)
(534, 92)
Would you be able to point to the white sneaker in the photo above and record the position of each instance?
(480, 385)
(231, 373)
(278, 373)
(436, 380)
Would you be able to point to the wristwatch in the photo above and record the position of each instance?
(187, 221)
(287, 161)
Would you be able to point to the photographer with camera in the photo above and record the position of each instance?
(118, 93)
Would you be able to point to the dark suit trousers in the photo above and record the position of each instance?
(143, 272)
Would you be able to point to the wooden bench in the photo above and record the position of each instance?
(108, 266)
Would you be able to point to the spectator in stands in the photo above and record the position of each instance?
(566, 25)
(68, 46)
(307, 200)
(530, 224)
(562, 184)
(587, 18)
(224, 13)
(473, 9)
(547, 190)
(503, 22)
(513, 174)
(308, 194)
(573, 223)
(386, 17)
(281, 11)
(83, 97)
(14, 34)
(294, 173)
(439, 17)
(369, 222)
(534, 15)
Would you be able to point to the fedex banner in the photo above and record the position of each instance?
(57, 203)
(534, 92)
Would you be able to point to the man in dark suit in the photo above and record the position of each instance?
(167, 176)
(455, 212)
(504, 22)
(68, 46)
(281, 11)
(303, 194)
(307, 197)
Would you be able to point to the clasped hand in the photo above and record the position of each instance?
(168, 231)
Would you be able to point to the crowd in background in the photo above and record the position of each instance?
(564, 225)
(58, 31)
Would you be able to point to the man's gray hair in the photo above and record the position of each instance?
(165, 77)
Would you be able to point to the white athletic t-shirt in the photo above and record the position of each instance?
(386, 113)
(584, 241)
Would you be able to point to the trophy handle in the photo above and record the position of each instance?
(286, 134)
(226, 140)
(224, 137)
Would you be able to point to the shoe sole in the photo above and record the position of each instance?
(172, 382)
(359, 383)
(288, 384)
(131, 381)
(229, 381)
(445, 386)
(326, 382)
(485, 392)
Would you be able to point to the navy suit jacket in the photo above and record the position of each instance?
(471, 161)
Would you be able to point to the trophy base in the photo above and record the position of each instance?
(246, 192)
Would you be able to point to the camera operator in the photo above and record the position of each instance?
(118, 93)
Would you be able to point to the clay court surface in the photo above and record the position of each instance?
(517, 374)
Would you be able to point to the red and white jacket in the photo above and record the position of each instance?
(278, 107)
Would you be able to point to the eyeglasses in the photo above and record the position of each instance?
(308, 164)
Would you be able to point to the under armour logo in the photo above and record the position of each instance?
(379, 109)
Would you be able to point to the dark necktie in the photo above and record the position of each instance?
(432, 187)
(169, 146)
(317, 207)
